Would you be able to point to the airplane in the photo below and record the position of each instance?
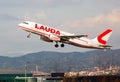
(50, 34)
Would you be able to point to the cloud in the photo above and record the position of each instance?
(96, 24)
(100, 21)
(109, 19)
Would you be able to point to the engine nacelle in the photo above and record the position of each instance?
(54, 38)
(45, 39)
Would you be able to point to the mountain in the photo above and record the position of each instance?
(60, 62)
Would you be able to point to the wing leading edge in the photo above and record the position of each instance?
(66, 38)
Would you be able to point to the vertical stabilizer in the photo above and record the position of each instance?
(103, 37)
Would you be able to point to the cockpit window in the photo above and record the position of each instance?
(25, 22)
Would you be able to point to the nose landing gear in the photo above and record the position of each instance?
(28, 36)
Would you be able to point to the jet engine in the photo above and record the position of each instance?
(45, 39)
(54, 38)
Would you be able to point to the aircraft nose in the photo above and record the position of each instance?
(19, 25)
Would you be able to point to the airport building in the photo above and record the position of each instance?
(109, 75)
(57, 77)
(29, 78)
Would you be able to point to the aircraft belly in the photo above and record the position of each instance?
(81, 43)
(78, 42)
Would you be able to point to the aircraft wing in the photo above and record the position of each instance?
(66, 38)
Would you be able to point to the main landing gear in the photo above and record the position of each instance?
(56, 45)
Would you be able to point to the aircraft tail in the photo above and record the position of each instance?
(103, 37)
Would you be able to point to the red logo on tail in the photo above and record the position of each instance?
(102, 35)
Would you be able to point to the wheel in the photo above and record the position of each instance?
(28, 36)
(56, 45)
(62, 45)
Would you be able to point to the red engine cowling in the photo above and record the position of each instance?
(45, 39)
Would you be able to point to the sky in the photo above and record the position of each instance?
(75, 16)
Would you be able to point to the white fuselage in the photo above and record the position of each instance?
(54, 34)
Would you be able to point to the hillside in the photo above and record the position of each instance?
(56, 61)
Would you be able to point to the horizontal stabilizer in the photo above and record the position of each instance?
(105, 46)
